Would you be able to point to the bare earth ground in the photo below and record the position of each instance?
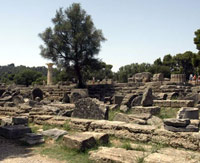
(10, 152)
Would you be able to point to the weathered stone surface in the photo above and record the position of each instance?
(158, 77)
(6, 121)
(174, 103)
(158, 158)
(118, 99)
(89, 108)
(66, 98)
(101, 138)
(178, 78)
(37, 92)
(188, 112)
(113, 107)
(142, 77)
(20, 120)
(9, 104)
(123, 108)
(147, 98)
(128, 99)
(176, 122)
(6, 98)
(172, 96)
(79, 141)
(54, 133)
(195, 122)
(140, 109)
(77, 94)
(188, 128)
(64, 109)
(155, 121)
(18, 99)
(129, 119)
(136, 101)
(115, 155)
(32, 139)
(14, 132)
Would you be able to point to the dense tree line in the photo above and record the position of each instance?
(23, 75)
(186, 63)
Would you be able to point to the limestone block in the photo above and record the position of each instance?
(101, 138)
(20, 120)
(54, 133)
(147, 98)
(89, 108)
(79, 141)
(153, 110)
(189, 128)
(115, 155)
(32, 139)
(176, 122)
(14, 132)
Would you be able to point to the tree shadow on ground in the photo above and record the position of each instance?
(12, 149)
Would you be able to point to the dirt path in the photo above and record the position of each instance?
(10, 152)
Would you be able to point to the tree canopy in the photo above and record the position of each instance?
(197, 39)
(73, 42)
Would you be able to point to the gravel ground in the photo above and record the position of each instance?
(10, 152)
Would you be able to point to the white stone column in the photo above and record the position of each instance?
(50, 74)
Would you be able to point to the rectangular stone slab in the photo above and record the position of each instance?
(115, 155)
(100, 137)
(79, 141)
(14, 132)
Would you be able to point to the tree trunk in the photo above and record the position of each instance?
(79, 77)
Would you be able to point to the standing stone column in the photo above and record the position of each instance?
(50, 73)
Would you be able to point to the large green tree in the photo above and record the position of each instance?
(73, 41)
(197, 39)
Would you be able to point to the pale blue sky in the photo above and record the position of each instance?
(136, 30)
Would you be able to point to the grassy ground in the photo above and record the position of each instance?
(56, 149)
(168, 113)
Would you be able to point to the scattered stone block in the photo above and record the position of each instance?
(147, 98)
(118, 99)
(123, 108)
(101, 138)
(20, 121)
(155, 121)
(115, 155)
(153, 110)
(37, 92)
(18, 99)
(14, 132)
(188, 112)
(89, 108)
(128, 99)
(54, 133)
(136, 101)
(77, 94)
(188, 128)
(9, 104)
(113, 106)
(66, 98)
(174, 103)
(132, 118)
(158, 77)
(6, 121)
(176, 122)
(32, 139)
(79, 141)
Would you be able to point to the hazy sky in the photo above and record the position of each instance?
(136, 30)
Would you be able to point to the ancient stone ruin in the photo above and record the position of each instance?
(134, 111)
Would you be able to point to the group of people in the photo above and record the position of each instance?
(194, 78)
